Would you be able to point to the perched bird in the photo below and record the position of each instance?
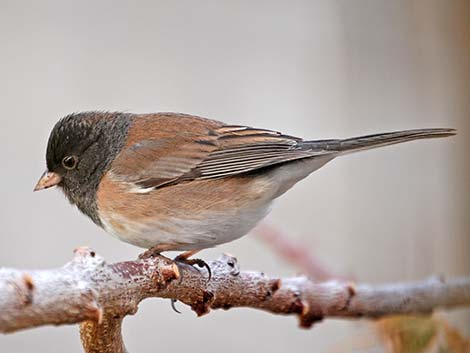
(170, 181)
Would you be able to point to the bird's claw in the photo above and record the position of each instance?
(173, 306)
(199, 262)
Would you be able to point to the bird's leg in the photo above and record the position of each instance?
(152, 252)
(185, 258)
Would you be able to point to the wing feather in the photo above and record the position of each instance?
(220, 152)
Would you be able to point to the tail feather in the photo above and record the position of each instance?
(366, 142)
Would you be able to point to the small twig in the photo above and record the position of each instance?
(100, 295)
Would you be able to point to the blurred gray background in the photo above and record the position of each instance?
(316, 69)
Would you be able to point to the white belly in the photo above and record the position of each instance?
(205, 231)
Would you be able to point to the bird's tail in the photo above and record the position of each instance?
(361, 143)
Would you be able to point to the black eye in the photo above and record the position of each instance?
(69, 162)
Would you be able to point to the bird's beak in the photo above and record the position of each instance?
(48, 180)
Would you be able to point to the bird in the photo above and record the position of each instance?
(179, 182)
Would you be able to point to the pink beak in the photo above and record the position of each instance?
(48, 180)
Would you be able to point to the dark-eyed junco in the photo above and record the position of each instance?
(172, 181)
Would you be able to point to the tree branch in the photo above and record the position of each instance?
(100, 295)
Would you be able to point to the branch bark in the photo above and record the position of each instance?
(99, 295)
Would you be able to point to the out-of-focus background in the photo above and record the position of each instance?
(316, 69)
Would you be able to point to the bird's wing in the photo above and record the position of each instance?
(243, 149)
(214, 152)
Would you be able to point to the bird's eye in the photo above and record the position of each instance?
(69, 162)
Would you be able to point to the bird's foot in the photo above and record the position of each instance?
(180, 259)
(184, 258)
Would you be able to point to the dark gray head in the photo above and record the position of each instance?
(80, 150)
